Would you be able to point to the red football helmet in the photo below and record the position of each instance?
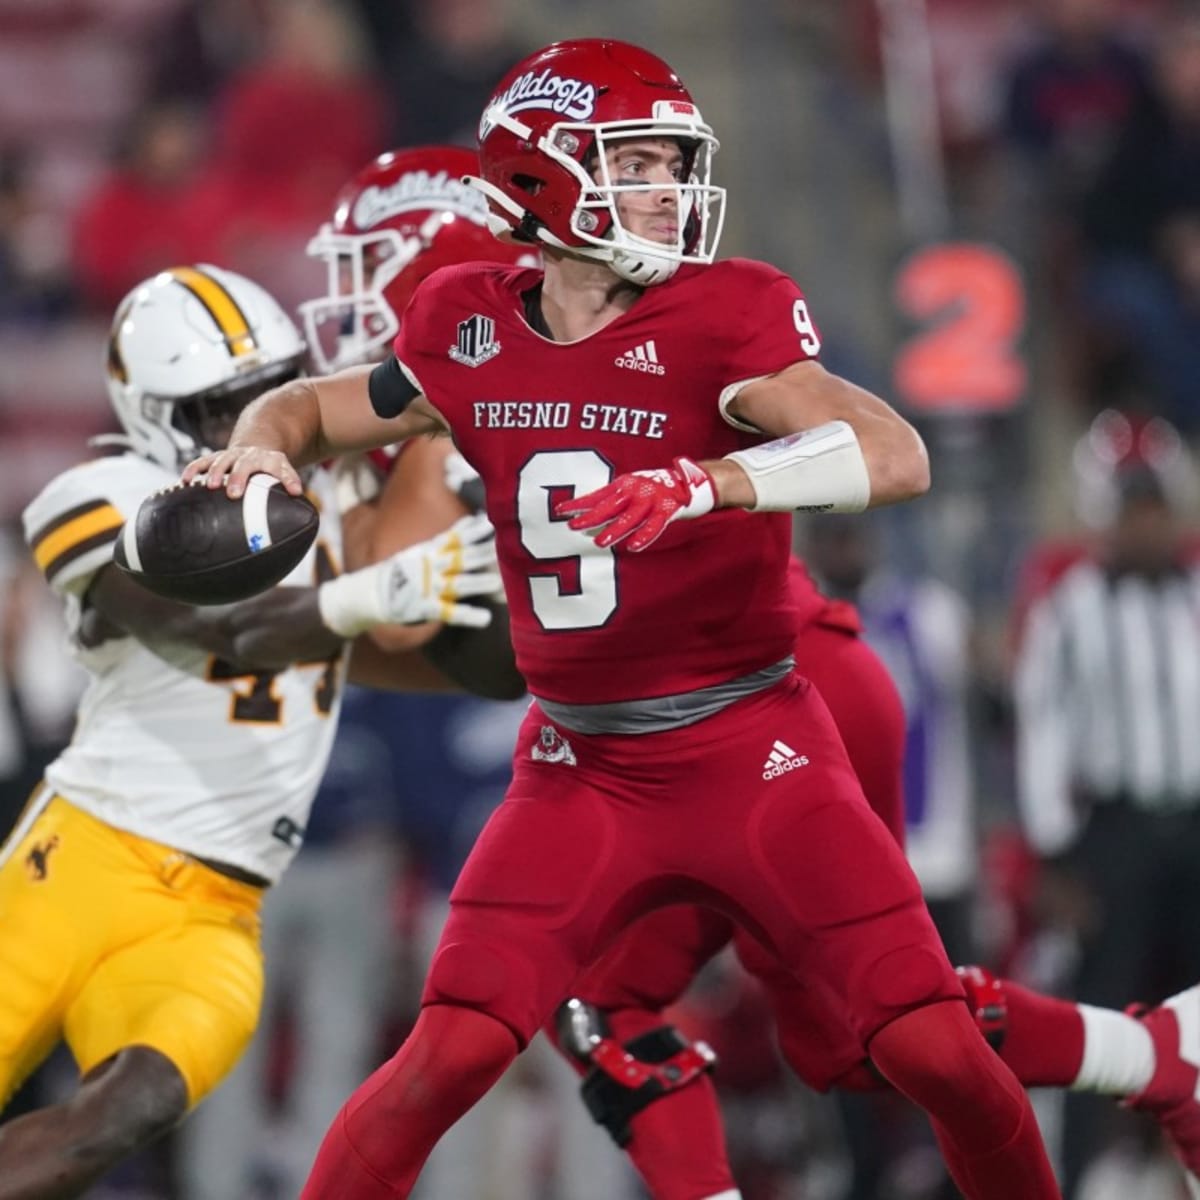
(542, 148)
(396, 221)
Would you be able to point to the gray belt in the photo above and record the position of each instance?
(657, 713)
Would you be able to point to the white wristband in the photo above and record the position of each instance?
(353, 603)
(819, 470)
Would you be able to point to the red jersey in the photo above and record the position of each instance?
(542, 421)
(814, 608)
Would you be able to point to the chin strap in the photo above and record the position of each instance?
(642, 267)
(634, 264)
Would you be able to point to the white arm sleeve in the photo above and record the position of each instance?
(819, 470)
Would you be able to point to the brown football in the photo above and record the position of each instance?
(195, 544)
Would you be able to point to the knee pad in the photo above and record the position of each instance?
(625, 1079)
(473, 976)
(987, 1002)
(488, 980)
(909, 977)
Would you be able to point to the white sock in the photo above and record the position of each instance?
(1118, 1053)
(732, 1194)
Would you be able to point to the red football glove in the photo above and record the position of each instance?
(640, 505)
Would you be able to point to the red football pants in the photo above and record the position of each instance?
(652, 964)
(783, 842)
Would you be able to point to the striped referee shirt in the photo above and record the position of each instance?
(1108, 699)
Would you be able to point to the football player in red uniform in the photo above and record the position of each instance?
(672, 754)
(402, 216)
(395, 222)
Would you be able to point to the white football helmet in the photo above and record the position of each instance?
(188, 350)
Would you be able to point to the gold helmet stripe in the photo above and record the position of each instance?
(221, 306)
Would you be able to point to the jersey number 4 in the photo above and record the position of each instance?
(580, 592)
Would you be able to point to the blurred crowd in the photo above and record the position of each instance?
(211, 131)
(1041, 617)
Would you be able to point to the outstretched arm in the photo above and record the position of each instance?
(427, 581)
(834, 447)
(418, 497)
(308, 420)
(805, 397)
(414, 503)
(266, 632)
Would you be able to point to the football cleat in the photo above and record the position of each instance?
(1171, 1097)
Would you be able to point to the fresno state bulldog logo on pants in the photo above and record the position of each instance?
(552, 747)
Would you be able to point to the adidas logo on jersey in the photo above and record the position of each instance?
(641, 358)
(781, 760)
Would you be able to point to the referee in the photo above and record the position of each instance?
(1107, 692)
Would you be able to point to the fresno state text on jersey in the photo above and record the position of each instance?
(543, 420)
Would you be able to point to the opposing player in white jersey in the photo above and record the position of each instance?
(130, 889)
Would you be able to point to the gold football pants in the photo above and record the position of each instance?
(109, 940)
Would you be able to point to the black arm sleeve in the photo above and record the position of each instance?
(479, 661)
(391, 390)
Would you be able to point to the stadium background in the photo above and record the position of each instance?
(877, 150)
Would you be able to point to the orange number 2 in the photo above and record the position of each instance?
(971, 300)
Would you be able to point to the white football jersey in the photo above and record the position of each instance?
(173, 744)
